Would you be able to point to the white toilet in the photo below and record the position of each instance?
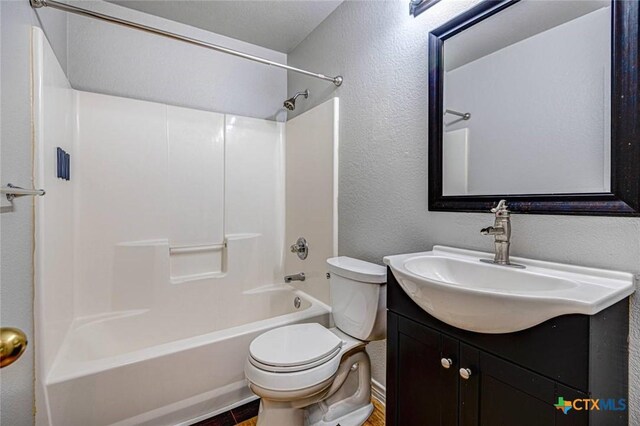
(309, 375)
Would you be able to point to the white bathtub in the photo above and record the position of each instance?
(149, 368)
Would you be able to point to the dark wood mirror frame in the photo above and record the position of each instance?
(624, 198)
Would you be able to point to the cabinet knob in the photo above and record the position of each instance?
(446, 362)
(465, 373)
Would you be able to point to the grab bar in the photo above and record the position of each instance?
(197, 248)
(13, 191)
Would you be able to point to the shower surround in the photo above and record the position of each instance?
(164, 255)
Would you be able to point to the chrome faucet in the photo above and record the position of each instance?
(296, 277)
(501, 230)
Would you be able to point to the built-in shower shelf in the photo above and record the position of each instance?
(196, 262)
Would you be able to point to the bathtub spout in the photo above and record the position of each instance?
(297, 277)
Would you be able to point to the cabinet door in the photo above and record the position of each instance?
(421, 390)
(511, 395)
(469, 385)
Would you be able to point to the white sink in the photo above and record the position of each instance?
(455, 287)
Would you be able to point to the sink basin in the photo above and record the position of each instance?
(455, 287)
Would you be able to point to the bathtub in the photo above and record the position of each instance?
(144, 367)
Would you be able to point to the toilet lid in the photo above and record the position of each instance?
(294, 345)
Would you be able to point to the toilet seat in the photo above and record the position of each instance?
(301, 376)
(294, 348)
(293, 368)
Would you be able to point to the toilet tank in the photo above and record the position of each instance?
(358, 297)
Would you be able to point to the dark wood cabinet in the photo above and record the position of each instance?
(508, 379)
(419, 351)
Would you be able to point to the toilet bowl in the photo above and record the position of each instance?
(306, 374)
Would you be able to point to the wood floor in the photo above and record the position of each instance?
(376, 419)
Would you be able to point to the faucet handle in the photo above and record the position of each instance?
(501, 209)
(300, 248)
(487, 230)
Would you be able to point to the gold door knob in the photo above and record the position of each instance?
(13, 342)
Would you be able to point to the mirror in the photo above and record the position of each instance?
(535, 83)
(522, 94)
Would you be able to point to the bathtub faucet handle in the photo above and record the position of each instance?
(300, 248)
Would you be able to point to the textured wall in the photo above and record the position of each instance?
(54, 25)
(382, 53)
(115, 60)
(16, 227)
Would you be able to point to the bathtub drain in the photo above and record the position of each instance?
(297, 302)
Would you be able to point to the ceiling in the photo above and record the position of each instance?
(278, 25)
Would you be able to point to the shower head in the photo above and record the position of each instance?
(290, 103)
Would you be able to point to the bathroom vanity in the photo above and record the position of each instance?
(438, 374)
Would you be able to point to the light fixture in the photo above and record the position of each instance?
(416, 7)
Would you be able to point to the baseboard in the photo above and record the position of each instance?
(378, 391)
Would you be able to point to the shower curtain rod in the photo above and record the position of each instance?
(36, 4)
